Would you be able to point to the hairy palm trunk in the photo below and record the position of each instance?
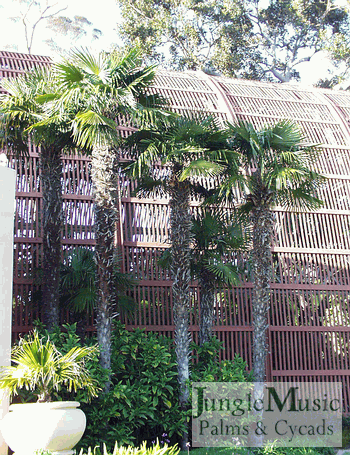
(262, 275)
(105, 193)
(180, 220)
(207, 298)
(51, 173)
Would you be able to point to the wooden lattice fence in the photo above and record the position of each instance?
(309, 333)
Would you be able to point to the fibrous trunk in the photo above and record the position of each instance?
(44, 396)
(105, 193)
(180, 220)
(262, 275)
(51, 173)
(206, 321)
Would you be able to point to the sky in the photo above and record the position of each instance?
(105, 16)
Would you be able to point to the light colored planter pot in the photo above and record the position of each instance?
(56, 426)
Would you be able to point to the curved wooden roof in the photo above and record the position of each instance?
(12, 63)
(309, 332)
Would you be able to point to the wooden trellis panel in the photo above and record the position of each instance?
(309, 332)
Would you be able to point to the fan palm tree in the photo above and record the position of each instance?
(216, 235)
(106, 89)
(23, 118)
(186, 149)
(78, 283)
(277, 171)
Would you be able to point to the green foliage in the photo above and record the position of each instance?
(283, 166)
(216, 234)
(142, 450)
(142, 403)
(250, 39)
(78, 278)
(189, 147)
(24, 113)
(271, 450)
(103, 87)
(40, 367)
(78, 275)
(210, 369)
(211, 34)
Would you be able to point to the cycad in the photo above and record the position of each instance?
(41, 368)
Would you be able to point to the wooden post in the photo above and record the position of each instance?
(7, 207)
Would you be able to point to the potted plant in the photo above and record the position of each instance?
(47, 425)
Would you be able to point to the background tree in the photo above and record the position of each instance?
(185, 148)
(238, 38)
(278, 172)
(31, 13)
(34, 14)
(195, 34)
(338, 49)
(74, 29)
(291, 32)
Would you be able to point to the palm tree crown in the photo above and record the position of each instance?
(278, 166)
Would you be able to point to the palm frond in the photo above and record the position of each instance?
(201, 167)
(224, 272)
(93, 129)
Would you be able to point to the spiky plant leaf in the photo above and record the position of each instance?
(39, 367)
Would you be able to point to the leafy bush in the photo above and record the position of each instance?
(142, 403)
(209, 369)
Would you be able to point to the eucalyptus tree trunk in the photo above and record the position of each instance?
(51, 173)
(207, 300)
(180, 221)
(104, 165)
(262, 275)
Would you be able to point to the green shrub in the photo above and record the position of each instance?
(142, 403)
(143, 399)
(209, 369)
